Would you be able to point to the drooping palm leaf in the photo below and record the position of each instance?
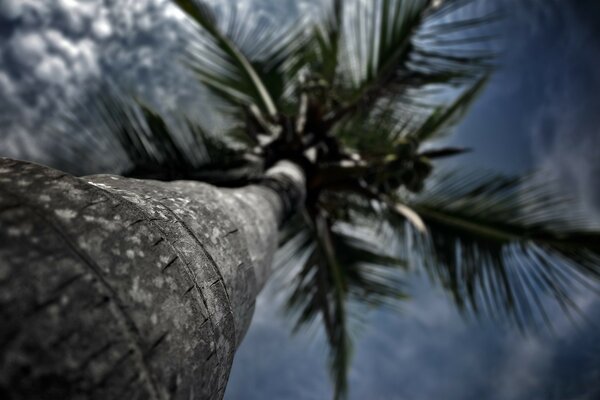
(381, 43)
(338, 270)
(276, 53)
(160, 147)
(507, 248)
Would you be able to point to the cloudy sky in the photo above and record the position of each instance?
(539, 111)
(51, 51)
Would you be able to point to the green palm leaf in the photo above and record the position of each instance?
(504, 247)
(443, 117)
(339, 270)
(222, 66)
(395, 46)
(328, 37)
(157, 146)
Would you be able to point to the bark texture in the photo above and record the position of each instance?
(115, 288)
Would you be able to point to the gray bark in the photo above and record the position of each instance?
(115, 288)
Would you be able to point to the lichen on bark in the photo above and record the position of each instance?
(113, 287)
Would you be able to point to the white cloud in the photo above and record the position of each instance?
(57, 41)
(7, 88)
(53, 70)
(87, 59)
(565, 128)
(77, 15)
(28, 47)
(102, 28)
(57, 48)
(11, 8)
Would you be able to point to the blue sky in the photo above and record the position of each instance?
(539, 111)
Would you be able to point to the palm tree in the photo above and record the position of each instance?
(353, 98)
(356, 100)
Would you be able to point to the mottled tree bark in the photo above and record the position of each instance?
(114, 288)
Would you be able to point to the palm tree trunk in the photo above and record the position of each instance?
(115, 288)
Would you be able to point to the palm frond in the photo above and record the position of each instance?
(158, 146)
(221, 65)
(373, 133)
(338, 270)
(442, 118)
(385, 131)
(277, 53)
(506, 248)
(395, 46)
(382, 42)
(391, 130)
(146, 138)
(328, 36)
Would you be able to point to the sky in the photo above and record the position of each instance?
(539, 111)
